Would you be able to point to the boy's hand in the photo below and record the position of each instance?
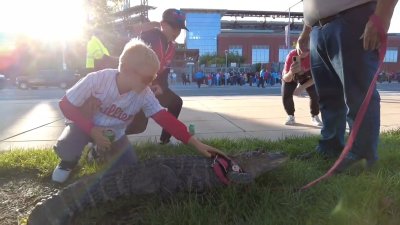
(100, 140)
(206, 150)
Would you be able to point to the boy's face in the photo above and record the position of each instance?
(140, 79)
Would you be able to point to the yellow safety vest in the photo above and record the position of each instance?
(95, 50)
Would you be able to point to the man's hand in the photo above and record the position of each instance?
(100, 140)
(371, 37)
(303, 42)
(383, 13)
(206, 150)
(157, 90)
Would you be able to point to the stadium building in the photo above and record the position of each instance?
(260, 37)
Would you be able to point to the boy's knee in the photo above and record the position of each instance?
(64, 152)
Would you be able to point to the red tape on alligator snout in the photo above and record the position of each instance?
(377, 22)
(220, 167)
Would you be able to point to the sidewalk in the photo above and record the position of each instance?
(260, 117)
(213, 116)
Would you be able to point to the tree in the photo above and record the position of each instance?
(100, 12)
(209, 59)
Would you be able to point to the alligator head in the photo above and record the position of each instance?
(259, 162)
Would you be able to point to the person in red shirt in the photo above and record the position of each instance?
(297, 71)
(162, 41)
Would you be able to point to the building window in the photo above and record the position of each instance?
(283, 52)
(391, 55)
(203, 31)
(260, 54)
(236, 49)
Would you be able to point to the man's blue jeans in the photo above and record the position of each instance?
(342, 72)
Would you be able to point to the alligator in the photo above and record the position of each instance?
(160, 175)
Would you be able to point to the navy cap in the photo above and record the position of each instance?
(174, 17)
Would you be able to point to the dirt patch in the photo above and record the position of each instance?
(18, 195)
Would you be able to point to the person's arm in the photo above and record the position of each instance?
(383, 12)
(75, 114)
(177, 129)
(288, 77)
(287, 74)
(303, 42)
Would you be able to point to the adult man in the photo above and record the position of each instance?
(162, 41)
(199, 76)
(344, 58)
(97, 55)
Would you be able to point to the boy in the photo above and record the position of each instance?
(120, 94)
(162, 41)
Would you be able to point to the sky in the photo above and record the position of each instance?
(64, 19)
(266, 5)
(44, 19)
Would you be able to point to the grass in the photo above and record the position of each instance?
(355, 197)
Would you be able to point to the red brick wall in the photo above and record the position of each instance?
(274, 41)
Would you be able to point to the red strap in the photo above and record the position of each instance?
(220, 166)
(363, 108)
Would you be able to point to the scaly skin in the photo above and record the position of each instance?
(159, 175)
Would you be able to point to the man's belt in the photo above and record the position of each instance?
(323, 21)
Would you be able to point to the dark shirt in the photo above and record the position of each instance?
(165, 51)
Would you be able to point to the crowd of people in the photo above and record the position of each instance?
(335, 60)
(237, 78)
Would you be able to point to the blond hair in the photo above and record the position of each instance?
(137, 56)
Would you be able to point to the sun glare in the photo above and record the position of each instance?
(48, 20)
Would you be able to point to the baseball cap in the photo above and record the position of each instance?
(175, 18)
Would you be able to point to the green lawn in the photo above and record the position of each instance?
(355, 197)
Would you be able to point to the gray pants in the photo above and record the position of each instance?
(72, 141)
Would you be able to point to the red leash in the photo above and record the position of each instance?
(361, 113)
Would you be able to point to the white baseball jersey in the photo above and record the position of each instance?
(116, 110)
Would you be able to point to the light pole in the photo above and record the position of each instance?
(226, 60)
(288, 45)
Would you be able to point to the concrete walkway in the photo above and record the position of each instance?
(259, 117)
(214, 117)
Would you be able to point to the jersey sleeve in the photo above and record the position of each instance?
(150, 103)
(175, 127)
(81, 91)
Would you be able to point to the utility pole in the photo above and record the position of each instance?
(226, 60)
(288, 44)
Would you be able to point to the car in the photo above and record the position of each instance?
(48, 78)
